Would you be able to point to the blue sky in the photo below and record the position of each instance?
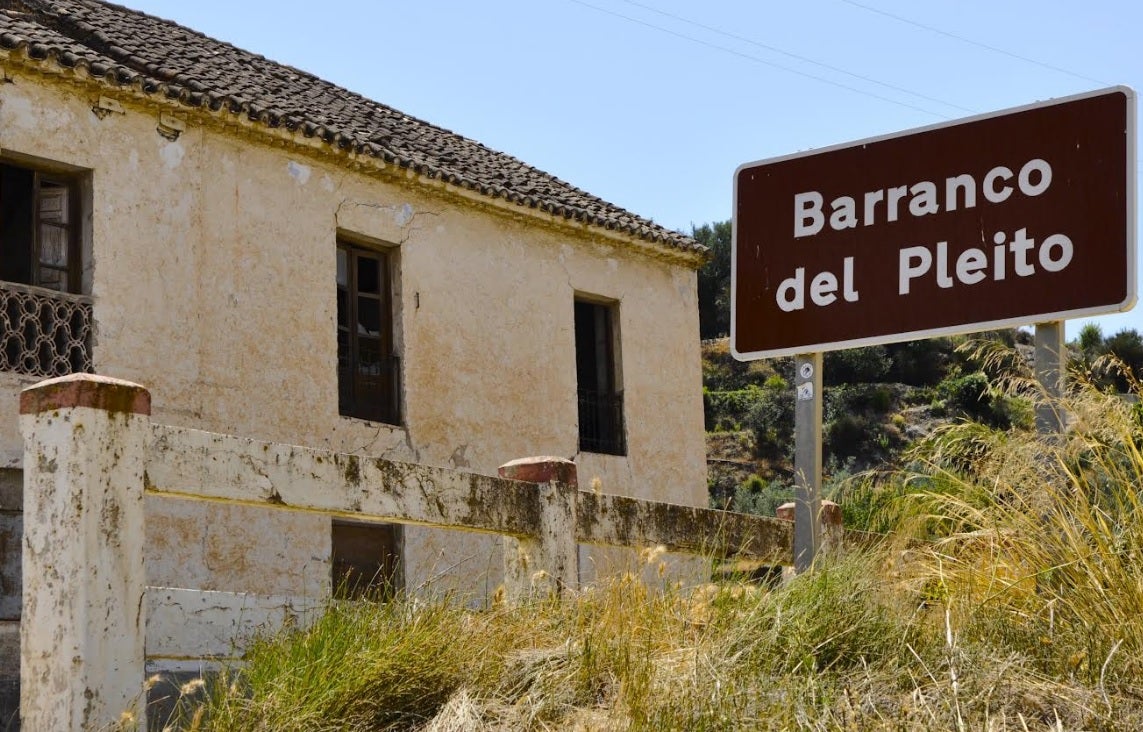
(652, 104)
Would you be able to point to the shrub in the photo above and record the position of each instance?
(771, 420)
(971, 396)
(873, 399)
(760, 498)
(919, 363)
(856, 365)
(733, 406)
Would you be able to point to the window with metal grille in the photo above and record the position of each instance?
(601, 427)
(45, 321)
(368, 369)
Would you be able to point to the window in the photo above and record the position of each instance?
(368, 371)
(597, 376)
(45, 323)
(366, 560)
(39, 242)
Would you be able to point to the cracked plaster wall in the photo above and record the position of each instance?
(213, 279)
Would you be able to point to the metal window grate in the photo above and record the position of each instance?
(370, 390)
(601, 422)
(43, 332)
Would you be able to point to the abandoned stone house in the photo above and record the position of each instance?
(274, 256)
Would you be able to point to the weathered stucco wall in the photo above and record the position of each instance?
(213, 264)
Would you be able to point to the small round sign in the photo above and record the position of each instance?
(807, 370)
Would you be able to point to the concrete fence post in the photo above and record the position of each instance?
(832, 533)
(83, 624)
(549, 563)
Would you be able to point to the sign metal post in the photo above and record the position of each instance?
(1050, 370)
(807, 458)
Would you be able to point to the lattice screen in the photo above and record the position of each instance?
(44, 333)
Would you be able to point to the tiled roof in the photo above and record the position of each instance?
(158, 57)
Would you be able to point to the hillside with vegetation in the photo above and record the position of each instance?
(878, 401)
(997, 582)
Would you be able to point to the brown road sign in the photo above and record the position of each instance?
(1023, 216)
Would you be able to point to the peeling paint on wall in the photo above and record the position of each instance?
(172, 155)
(459, 459)
(403, 215)
(18, 110)
(300, 173)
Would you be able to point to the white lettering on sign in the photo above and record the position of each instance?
(791, 294)
(1018, 256)
(808, 217)
(972, 265)
(924, 198)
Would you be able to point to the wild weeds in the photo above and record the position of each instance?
(1009, 596)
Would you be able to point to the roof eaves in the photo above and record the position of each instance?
(195, 95)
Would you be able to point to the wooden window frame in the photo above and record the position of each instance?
(73, 271)
(358, 397)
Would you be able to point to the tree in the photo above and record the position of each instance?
(1091, 340)
(856, 366)
(714, 280)
(1127, 346)
(919, 363)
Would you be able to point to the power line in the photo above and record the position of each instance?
(971, 42)
(758, 60)
(789, 54)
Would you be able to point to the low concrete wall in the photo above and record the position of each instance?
(191, 625)
(92, 453)
(205, 465)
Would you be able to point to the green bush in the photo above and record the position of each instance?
(873, 399)
(856, 365)
(771, 420)
(760, 498)
(970, 396)
(848, 436)
(919, 363)
(726, 410)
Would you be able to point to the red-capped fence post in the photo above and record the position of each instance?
(83, 622)
(548, 562)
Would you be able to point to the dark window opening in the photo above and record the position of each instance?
(368, 370)
(45, 323)
(39, 232)
(366, 560)
(600, 398)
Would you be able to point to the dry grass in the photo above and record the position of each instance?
(1013, 601)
